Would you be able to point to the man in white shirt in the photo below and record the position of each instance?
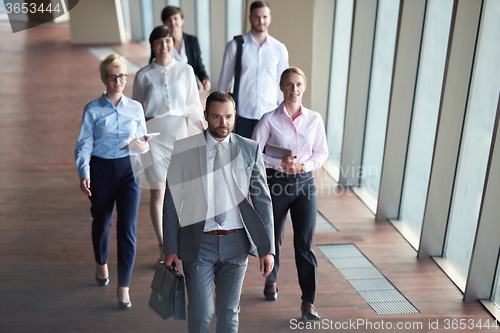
(263, 60)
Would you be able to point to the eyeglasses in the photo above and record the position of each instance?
(112, 78)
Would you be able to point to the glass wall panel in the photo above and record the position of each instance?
(176, 3)
(425, 112)
(203, 31)
(125, 15)
(234, 18)
(476, 141)
(341, 49)
(496, 290)
(379, 95)
(147, 18)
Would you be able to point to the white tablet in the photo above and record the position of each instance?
(152, 135)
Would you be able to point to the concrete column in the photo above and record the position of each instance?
(98, 22)
(404, 78)
(465, 25)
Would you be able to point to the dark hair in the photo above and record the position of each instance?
(160, 31)
(219, 96)
(258, 4)
(169, 11)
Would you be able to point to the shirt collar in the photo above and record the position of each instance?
(211, 142)
(283, 111)
(252, 38)
(105, 101)
(166, 68)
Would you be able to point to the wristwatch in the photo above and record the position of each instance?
(303, 170)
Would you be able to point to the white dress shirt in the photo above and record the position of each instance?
(262, 66)
(180, 57)
(305, 136)
(233, 216)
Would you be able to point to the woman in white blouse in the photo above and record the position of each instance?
(186, 47)
(168, 92)
(291, 181)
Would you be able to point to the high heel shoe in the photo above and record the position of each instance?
(270, 296)
(102, 282)
(309, 312)
(122, 305)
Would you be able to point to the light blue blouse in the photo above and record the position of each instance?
(107, 129)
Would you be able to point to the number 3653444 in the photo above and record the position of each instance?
(31, 8)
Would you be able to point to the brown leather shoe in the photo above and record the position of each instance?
(309, 312)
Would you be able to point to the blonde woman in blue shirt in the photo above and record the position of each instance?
(109, 124)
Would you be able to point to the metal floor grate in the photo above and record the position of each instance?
(366, 279)
(322, 224)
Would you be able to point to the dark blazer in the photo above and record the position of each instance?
(193, 54)
(185, 206)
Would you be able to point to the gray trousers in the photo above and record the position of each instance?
(222, 260)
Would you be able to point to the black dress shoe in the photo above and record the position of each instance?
(122, 305)
(270, 296)
(309, 312)
(102, 282)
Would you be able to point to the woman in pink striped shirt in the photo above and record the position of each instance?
(291, 181)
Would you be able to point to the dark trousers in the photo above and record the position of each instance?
(112, 180)
(244, 126)
(296, 193)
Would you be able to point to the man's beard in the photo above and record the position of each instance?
(218, 134)
(258, 30)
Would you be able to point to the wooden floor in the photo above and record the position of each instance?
(46, 261)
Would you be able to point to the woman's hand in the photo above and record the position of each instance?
(139, 143)
(85, 186)
(290, 166)
(206, 85)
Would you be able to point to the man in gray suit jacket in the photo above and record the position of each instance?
(208, 222)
